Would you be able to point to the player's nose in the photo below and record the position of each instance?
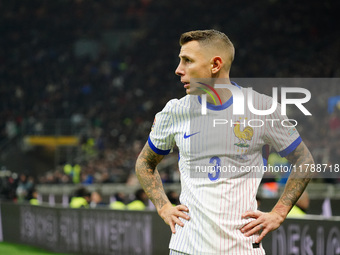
(179, 70)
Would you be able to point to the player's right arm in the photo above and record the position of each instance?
(151, 182)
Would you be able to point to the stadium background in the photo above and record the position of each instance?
(82, 80)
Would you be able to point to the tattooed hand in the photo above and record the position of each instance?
(296, 184)
(151, 182)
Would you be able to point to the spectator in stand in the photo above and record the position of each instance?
(25, 185)
(33, 197)
(81, 198)
(8, 186)
(97, 199)
(119, 203)
(140, 201)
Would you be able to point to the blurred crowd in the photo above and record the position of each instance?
(113, 62)
(22, 189)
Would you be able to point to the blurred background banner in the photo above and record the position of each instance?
(101, 232)
(85, 231)
(310, 235)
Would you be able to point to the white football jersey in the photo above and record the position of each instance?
(221, 160)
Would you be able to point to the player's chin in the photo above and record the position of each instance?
(193, 91)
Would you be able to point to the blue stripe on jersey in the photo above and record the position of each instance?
(234, 83)
(158, 151)
(223, 106)
(291, 147)
(217, 107)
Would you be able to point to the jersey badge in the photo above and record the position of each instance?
(243, 135)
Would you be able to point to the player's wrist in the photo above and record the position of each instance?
(164, 208)
(280, 214)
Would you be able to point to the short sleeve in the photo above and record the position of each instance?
(161, 138)
(281, 133)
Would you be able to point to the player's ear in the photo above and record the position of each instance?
(216, 64)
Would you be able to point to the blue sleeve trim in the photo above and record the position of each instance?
(291, 147)
(158, 151)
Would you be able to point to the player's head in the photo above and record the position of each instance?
(213, 41)
(204, 54)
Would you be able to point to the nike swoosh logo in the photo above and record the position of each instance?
(187, 136)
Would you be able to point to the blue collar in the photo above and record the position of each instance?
(223, 106)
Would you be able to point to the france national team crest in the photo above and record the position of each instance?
(243, 135)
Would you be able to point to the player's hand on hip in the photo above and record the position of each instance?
(172, 214)
(265, 222)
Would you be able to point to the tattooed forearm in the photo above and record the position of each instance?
(149, 178)
(299, 157)
(298, 179)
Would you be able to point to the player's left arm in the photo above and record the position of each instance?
(298, 179)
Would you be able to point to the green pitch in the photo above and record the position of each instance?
(19, 249)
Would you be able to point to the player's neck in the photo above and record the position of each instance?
(223, 94)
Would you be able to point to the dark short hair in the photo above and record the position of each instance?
(209, 37)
